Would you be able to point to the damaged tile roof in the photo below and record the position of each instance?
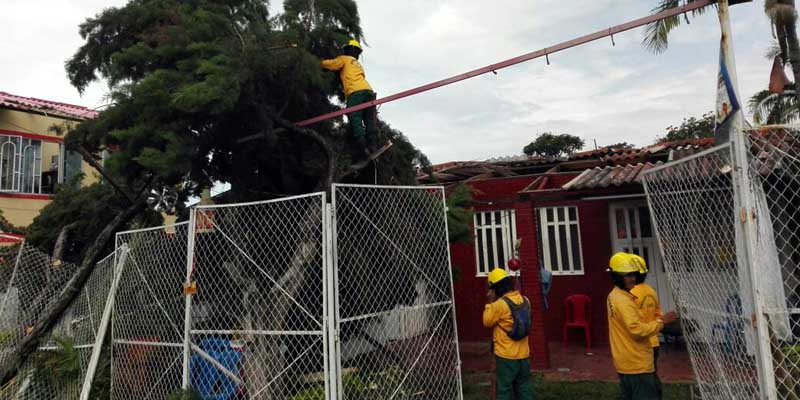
(617, 175)
(47, 107)
(584, 162)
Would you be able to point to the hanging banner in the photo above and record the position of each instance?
(727, 101)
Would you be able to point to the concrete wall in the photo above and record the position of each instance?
(20, 209)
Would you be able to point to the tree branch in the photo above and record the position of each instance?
(89, 158)
(329, 177)
(58, 249)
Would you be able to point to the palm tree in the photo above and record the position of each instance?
(782, 14)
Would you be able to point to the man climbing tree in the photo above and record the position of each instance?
(358, 91)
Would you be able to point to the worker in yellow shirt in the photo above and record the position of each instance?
(357, 91)
(630, 334)
(647, 301)
(508, 313)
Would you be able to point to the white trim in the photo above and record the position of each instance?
(354, 185)
(544, 234)
(255, 203)
(155, 228)
(187, 310)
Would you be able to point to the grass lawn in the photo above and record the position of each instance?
(557, 390)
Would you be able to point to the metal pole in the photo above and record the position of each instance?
(116, 270)
(337, 323)
(187, 312)
(695, 5)
(331, 383)
(746, 211)
(452, 297)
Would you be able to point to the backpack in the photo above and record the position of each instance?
(521, 314)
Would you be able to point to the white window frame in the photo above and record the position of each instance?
(544, 243)
(20, 146)
(508, 228)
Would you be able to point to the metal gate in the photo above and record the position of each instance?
(729, 230)
(256, 292)
(396, 316)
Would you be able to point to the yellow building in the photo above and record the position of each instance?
(33, 159)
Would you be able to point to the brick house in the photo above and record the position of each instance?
(572, 214)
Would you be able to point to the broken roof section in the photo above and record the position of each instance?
(618, 175)
(595, 167)
(46, 107)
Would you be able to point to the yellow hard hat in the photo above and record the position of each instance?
(625, 263)
(354, 43)
(497, 275)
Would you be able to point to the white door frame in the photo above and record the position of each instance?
(647, 247)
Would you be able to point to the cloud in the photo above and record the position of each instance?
(597, 91)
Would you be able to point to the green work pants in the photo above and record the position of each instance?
(514, 379)
(639, 387)
(361, 118)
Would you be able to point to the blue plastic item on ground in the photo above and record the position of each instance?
(207, 379)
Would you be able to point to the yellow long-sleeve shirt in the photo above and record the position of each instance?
(647, 301)
(350, 72)
(497, 315)
(629, 334)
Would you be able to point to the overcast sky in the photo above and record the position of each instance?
(596, 91)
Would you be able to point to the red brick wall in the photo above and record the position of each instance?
(470, 290)
(531, 284)
(499, 189)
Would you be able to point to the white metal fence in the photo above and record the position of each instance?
(291, 299)
(729, 231)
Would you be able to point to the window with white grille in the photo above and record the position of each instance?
(20, 165)
(495, 235)
(560, 240)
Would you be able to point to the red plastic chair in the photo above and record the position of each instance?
(578, 310)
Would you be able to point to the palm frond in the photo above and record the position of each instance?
(773, 51)
(773, 108)
(656, 35)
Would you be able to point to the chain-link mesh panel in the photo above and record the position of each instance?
(258, 313)
(775, 179)
(397, 332)
(33, 284)
(148, 317)
(693, 206)
(58, 369)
